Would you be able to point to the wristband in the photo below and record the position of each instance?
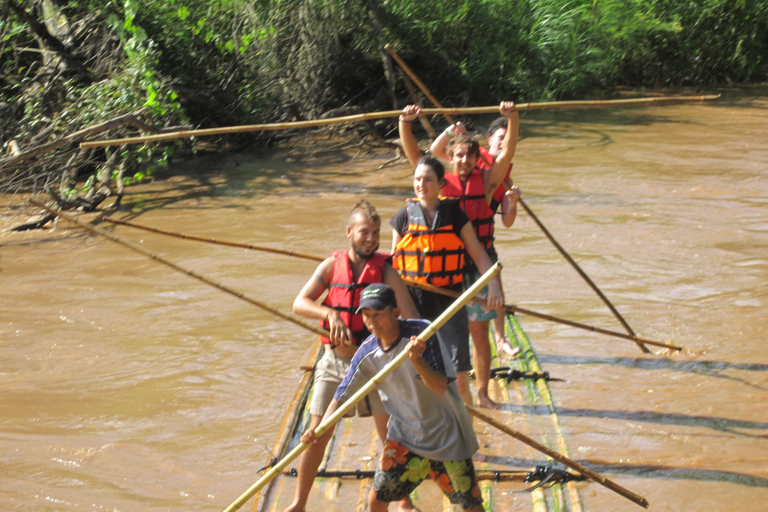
(449, 131)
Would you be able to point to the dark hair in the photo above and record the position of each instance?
(366, 210)
(434, 164)
(500, 122)
(473, 148)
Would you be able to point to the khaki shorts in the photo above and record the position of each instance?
(329, 373)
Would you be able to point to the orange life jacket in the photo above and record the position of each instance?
(344, 292)
(471, 196)
(427, 255)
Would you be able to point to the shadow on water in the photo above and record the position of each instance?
(647, 471)
(659, 418)
(703, 368)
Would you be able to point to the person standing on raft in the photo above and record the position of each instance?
(505, 196)
(430, 432)
(344, 275)
(474, 189)
(431, 239)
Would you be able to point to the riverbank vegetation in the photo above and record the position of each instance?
(69, 64)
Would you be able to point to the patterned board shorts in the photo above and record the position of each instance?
(477, 312)
(400, 471)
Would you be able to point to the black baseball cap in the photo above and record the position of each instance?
(377, 296)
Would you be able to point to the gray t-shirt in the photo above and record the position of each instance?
(434, 426)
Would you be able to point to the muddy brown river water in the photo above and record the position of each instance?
(127, 386)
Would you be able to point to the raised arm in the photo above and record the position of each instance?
(410, 145)
(441, 142)
(495, 175)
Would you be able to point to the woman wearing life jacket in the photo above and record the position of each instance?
(431, 237)
(474, 187)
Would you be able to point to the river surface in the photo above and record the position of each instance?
(126, 385)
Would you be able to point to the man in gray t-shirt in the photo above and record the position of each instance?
(429, 431)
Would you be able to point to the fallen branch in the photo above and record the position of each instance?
(10, 163)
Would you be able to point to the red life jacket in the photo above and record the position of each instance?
(471, 197)
(344, 292)
(498, 194)
(426, 255)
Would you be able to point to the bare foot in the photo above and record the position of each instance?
(484, 401)
(294, 508)
(405, 505)
(503, 344)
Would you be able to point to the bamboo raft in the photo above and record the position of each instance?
(355, 448)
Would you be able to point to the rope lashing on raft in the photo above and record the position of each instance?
(542, 474)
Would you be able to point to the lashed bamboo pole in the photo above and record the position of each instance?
(626, 493)
(289, 425)
(367, 388)
(314, 123)
(189, 272)
(559, 247)
(532, 362)
(509, 308)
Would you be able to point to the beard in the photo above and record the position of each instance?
(361, 253)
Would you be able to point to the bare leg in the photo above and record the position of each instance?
(309, 461)
(501, 340)
(481, 352)
(374, 504)
(462, 381)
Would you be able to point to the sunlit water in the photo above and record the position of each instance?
(129, 386)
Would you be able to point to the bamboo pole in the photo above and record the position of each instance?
(189, 272)
(314, 123)
(290, 423)
(581, 273)
(367, 388)
(516, 309)
(560, 458)
(417, 81)
(562, 251)
(212, 240)
(509, 308)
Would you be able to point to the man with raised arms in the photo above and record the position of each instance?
(344, 275)
(505, 196)
(429, 432)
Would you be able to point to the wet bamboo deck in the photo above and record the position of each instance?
(355, 446)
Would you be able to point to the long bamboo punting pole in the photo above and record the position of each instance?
(516, 309)
(189, 272)
(582, 273)
(509, 308)
(560, 458)
(212, 240)
(636, 102)
(559, 247)
(367, 388)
